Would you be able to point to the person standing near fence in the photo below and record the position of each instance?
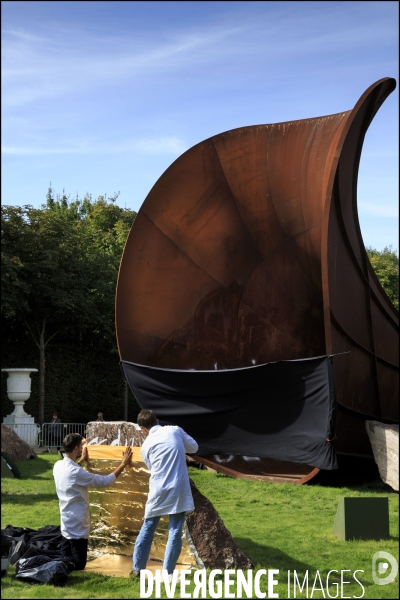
(54, 432)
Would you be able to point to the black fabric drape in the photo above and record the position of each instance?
(47, 538)
(283, 410)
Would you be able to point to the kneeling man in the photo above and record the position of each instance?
(72, 482)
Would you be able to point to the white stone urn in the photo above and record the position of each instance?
(19, 389)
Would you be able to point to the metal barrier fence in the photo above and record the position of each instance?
(52, 434)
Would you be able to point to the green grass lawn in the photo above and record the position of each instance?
(285, 527)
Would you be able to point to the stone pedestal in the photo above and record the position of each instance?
(18, 391)
(26, 429)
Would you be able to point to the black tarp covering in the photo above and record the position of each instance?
(283, 410)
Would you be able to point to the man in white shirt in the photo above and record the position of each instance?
(163, 452)
(72, 482)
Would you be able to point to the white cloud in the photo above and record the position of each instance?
(37, 67)
(70, 60)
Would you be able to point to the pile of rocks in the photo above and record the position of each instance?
(16, 448)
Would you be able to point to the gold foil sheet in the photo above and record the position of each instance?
(118, 511)
(115, 565)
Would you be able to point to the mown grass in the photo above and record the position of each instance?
(283, 527)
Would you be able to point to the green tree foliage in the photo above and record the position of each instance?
(386, 267)
(59, 271)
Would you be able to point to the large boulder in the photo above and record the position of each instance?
(114, 433)
(16, 448)
(211, 539)
(385, 446)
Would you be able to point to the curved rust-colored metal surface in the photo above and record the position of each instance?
(248, 250)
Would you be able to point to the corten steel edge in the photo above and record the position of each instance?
(248, 250)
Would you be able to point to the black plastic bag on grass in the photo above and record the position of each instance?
(41, 569)
(41, 559)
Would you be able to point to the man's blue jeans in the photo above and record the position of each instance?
(174, 545)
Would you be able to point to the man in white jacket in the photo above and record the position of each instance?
(163, 452)
(72, 482)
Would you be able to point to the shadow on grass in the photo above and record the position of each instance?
(378, 487)
(375, 485)
(269, 557)
(30, 499)
(34, 467)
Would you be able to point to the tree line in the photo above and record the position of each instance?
(386, 267)
(59, 272)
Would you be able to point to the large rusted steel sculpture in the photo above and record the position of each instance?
(248, 250)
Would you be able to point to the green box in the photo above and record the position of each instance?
(362, 519)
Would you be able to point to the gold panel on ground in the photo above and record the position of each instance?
(120, 566)
(118, 510)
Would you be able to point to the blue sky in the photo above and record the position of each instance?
(102, 97)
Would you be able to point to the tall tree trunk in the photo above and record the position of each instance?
(41, 343)
(42, 368)
(125, 400)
